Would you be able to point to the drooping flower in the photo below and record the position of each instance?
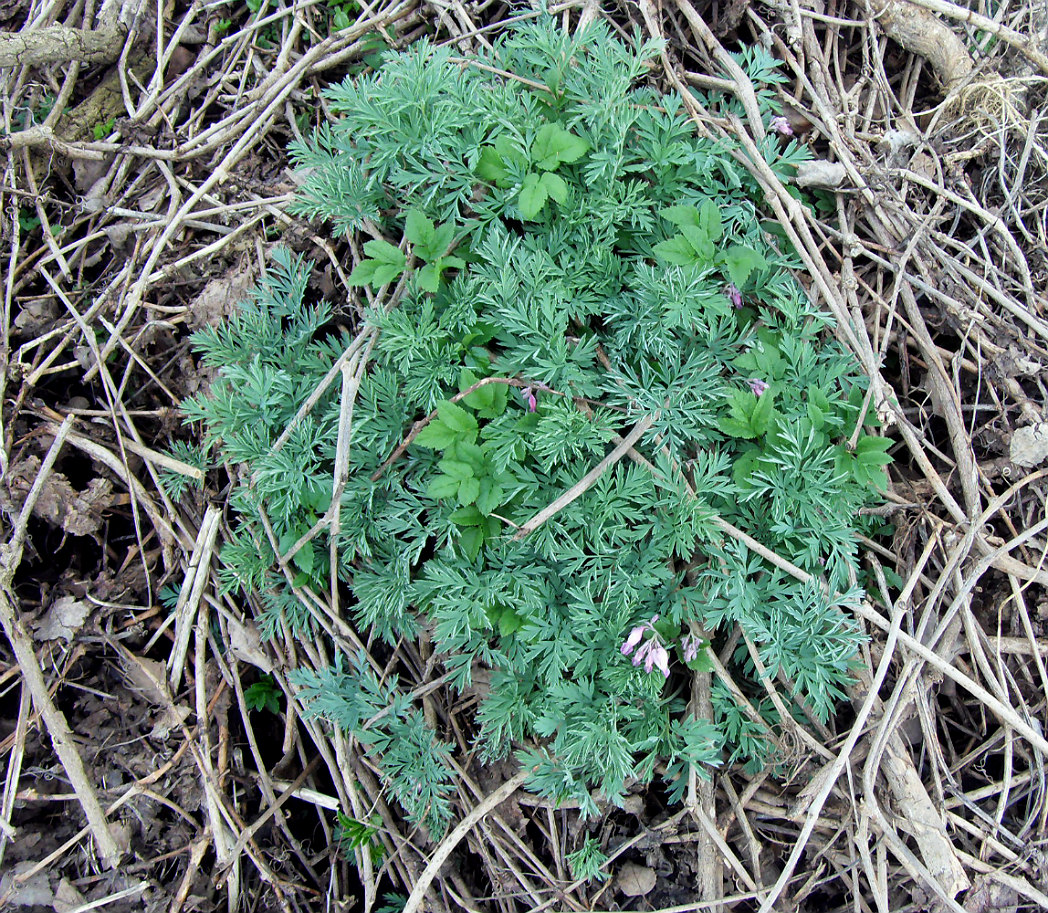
(529, 397)
(734, 295)
(652, 653)
(690, 644)
(757, 385)
(782, 125)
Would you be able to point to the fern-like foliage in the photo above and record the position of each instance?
(580, 261)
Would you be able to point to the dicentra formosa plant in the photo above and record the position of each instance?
(579, 272)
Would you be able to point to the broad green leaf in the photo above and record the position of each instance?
(710, 220)
(489, 496)
(471, 539)
(429, 278)
(532, 197)
(491, 167)
(676, 251)
(681, 215)
(467, 516)
(385, 273)
(363, 273)
(436, 436)
(442, 487)
(458, 420)
(468, 491)
(735, 428)
(384, 252)
(457, 469)
(555, 146)
(700, 242)
(509, 622)
(305, 558)
(419, 229)
(763, 411)
(740, 261)
(555, 187)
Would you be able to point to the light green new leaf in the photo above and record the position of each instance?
(555, 146)
(533, 195)
(468, 491)
(443, 487)
(555, 187)
(676, 251)
(740, 261)
(436, 436)
(458, 420)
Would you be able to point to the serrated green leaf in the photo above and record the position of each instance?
(533, 195)
(489, 496)
(428, 278)
(676, 251)
(470, 540)
(700, 242)
(681, 215)
(468, 491)
(740, 261)
(305, 558)
(385, 273)
(442, 487)
(383, 252)
(458, 420)
(710, 220)
(555, 187)
(467, 516)
(761, 416)
(554, 146)
(457, 469)
(419, 229)
(436, 436)
(491, 167)
(735, 428)
(363, 273)
(509, 622)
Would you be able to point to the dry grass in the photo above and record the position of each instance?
(158, 179)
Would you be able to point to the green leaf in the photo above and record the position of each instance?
(533, 195)
(509, 622)
(491, 167)
(457, 469)
(363, 273)
(489, 496)
(419, 229)
(383, 252)
(458, 420)
(467, 516)
(471, 539)
(468, 491)
(710, 220)
(442, 487)
(676, 251)
(555, 187)
(763, 411)
(681, 215)
(700, 242)
(305, 558)
(740, 261)
(429, 278)
(436, 436)
(555, 146)
(735, 428)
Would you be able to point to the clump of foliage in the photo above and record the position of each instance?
(573, 261)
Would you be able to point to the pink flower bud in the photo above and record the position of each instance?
(782, 125)
(757, 385)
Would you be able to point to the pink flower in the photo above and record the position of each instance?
(691, 644)
(529, 398)
(652, 653)
(782, 125)
(757, 385)
(734, 295)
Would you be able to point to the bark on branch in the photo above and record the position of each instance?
(60, 44)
